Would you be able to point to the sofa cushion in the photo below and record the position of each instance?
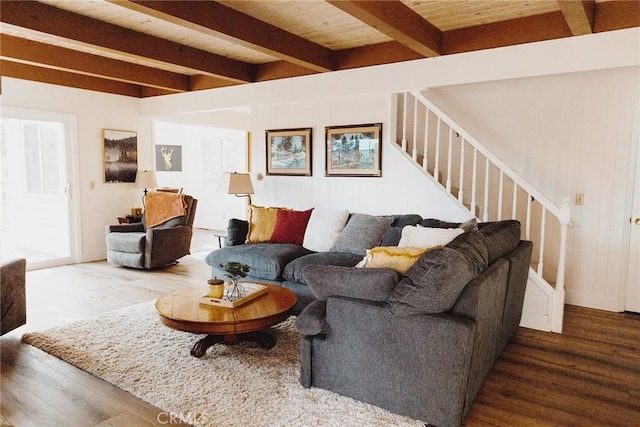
(126, 242)
(293, 272)
(394, 257)
(434, 283)
(290, 226)
(323, 229)
(393, 234)
(470, 224)
(502, 237)
(362, 232)
(404, 220)
(373, 284)
(267, 260)
(426, 237)
(237, 231)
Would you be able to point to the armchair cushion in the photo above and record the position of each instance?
(126, 242)
(125, 228)
(373, 284)
(434, 283)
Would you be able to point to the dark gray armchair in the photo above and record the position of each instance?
(13, 300)
(135, 245)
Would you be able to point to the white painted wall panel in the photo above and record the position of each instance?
(401, 189)
(565, 134)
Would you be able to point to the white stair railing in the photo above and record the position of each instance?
(424, 126)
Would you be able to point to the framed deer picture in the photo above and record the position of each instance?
(169, 158)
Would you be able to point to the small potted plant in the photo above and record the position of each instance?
(235, 271)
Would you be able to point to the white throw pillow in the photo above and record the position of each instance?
(323, 229)
(426, 237)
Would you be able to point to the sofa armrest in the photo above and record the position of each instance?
(372, 284)
(237, 232)
(312, 320)
(125, 228)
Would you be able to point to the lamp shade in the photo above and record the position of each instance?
(240, 183)
(146, 179)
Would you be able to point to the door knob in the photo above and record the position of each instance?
(637, 221)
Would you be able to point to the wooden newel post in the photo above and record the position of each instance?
(564, 217)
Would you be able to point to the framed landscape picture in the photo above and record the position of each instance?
(289, 152)
(120, 148)
(354, 150)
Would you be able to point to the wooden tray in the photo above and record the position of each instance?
(253, 290)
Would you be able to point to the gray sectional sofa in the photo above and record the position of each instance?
(418, 343)
(283, 263)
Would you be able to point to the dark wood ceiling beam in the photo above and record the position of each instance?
(530, 29)
(64, 78)
(201, 81)
(579, 15)
(281, 70)
(50, 20)
(398, 21)
(217, 20)
(28, 51)
(616, 15)
(376, 54)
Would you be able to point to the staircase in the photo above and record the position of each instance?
(482, 185)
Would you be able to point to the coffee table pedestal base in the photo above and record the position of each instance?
(262, 338)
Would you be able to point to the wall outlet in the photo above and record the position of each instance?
(92, 185)
(579, 199)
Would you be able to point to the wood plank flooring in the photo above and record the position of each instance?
(589, 375)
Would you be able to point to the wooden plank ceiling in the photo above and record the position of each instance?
(149, 48)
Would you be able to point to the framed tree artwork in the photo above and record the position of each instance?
(289, 152)
(354, 150)
(120, 148)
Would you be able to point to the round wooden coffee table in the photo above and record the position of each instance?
(182, 310)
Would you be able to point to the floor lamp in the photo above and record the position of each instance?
(240, 185)
(146, 179)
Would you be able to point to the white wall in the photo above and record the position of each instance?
(401, 189)
(94, 112)
(566, 134)
(207, 152)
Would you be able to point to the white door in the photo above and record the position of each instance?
(632, 301)
(36, 167)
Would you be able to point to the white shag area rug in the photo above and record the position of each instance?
(232, 385)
